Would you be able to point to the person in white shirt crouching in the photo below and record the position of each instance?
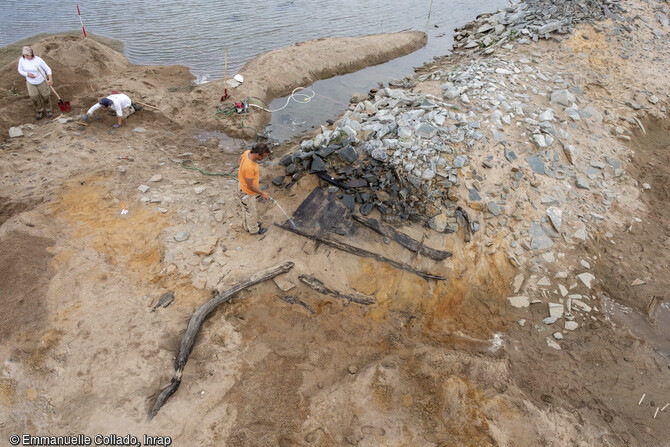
(121, 104)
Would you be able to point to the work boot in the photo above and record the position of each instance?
(39, 116)
(49, 114)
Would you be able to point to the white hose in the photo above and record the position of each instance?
(306, 98)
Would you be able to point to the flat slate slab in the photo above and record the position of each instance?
(321, 212)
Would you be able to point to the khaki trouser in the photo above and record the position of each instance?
(127, 112)
(249, 212)
(40, 95)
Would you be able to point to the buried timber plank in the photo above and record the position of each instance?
(360, 252)
(196, 321)
(320, 287)
(401, 238)
(320, 212)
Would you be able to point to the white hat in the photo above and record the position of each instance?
(238, 78)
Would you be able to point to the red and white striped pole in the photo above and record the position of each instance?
(80, 21)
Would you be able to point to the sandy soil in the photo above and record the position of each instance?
(432, 364)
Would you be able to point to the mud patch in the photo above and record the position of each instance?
(634, 270)
(8, 208)
(24, 275)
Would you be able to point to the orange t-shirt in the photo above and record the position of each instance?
(248, 169)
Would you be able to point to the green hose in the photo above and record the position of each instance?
(227, 109)
(195, 168)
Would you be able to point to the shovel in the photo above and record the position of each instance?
(63, 106)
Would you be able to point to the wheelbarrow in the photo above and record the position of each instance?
(63, 106)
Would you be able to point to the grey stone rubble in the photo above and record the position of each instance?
(414, 151)
(531, 20)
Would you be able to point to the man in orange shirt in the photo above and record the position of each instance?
(248, 175)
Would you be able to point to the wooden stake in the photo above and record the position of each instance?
(641, 399)
(656, 412)
(225, 70)
(664, 407)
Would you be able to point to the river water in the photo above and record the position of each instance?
(195, 33)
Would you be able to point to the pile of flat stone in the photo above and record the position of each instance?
(396, 151)
(531, 20)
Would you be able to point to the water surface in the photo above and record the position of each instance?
(195, 33)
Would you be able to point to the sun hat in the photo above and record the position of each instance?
(27, 51)
(106, 102)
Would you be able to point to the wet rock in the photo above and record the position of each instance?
(539, 239)
(586, 278)
(277, 181)
(317, 165)
(348, 200)
(181, 236)
(493, 208)
(510, 155)
(556, 310)
(556, 217)
(518, 301)
(326, 151)
(552, 344)
(366, 208)
(286, 160)
(348, 154)
(460, 161)
(205, 250)
(570, 153)
(563, 97)
(438, 223)
(379, 154)
(582, 183)
(536, 164)
(633, 105)
(426, 131)
(283, 285)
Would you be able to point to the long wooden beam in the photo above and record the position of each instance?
(360, 252)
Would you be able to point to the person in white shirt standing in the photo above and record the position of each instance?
(34, 69)
(121, 104)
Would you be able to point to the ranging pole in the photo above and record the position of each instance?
(81, 21)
